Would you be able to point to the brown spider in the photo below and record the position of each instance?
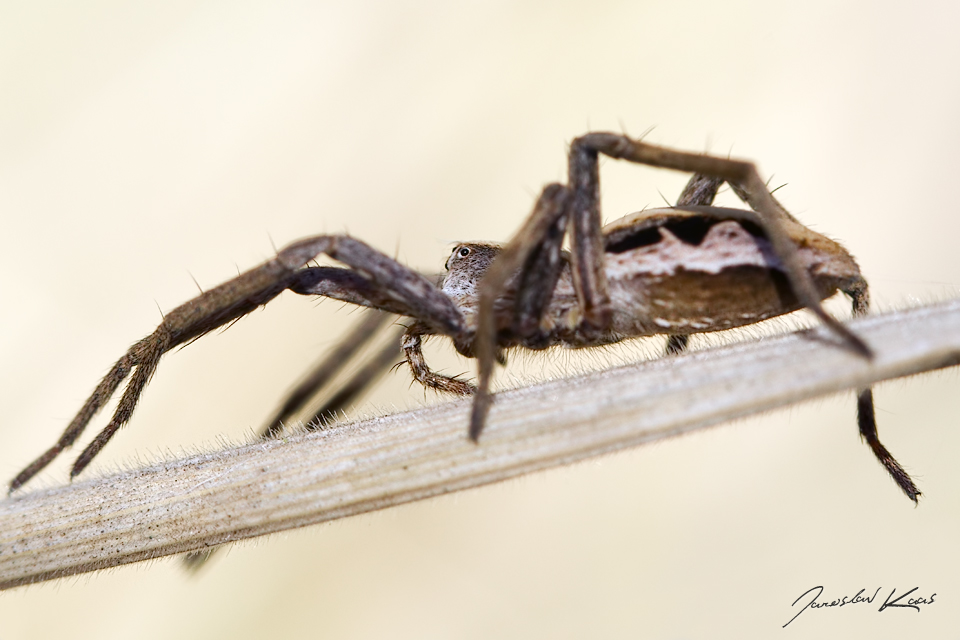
(677, 271)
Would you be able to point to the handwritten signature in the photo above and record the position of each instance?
(889, 603)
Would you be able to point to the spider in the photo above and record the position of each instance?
(677, 271)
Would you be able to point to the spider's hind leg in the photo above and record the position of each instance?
(744, 179)
(866, 413)
(700, 190)
(676, 344)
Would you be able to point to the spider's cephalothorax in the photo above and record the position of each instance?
(676, 271)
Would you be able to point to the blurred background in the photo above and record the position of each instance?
(145, 145)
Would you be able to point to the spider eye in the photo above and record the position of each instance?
(463, 252)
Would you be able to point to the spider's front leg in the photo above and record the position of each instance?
(212, 309)
(374, 281)
(434, 313)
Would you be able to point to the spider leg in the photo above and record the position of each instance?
(107, 387)
(700, 190)
(321, 375)
(386, 358)
(867, 422)
(385, 284)
(214, 308)
(743, 176)
(676, 343)
(376, 281)
(540, 270)
(326, 369)
(536, 246)
(386, 280)
(866, 415)
(434, 311)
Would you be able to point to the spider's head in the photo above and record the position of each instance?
(466, 265)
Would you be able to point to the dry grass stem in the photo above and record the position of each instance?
(205, 500)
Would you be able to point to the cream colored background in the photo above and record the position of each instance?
(142, 143)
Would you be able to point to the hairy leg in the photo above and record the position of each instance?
(383, 278)
(536, 246)
(319, 378)
(866, 415)
(741, 175)
(324, 371)
(700, 190)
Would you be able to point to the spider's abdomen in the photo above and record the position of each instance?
(693, 274)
